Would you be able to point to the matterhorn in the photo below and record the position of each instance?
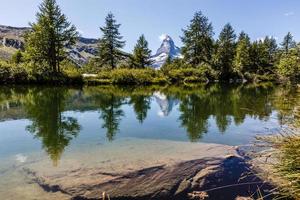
(167, 49)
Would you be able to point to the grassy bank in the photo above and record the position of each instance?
(184, 76)
(285, 153)
(147, 76)
(22, 74)
(12, 73)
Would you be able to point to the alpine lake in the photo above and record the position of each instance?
(55, 138)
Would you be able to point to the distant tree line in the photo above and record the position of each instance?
(229, 57)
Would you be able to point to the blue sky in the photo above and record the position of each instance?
(156, 17)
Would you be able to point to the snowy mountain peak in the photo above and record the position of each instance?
(166, 49)
(164, 37)
(168, 46)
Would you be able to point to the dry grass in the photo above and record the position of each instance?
(286, 150)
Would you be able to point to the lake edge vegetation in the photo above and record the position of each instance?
(229, 58)
(283, 170)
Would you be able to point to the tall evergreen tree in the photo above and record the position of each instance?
(242, 56)
(271, 45)
(50, 34)
(288, 42)
(260, 57)
(225, 52)
(111, 43)
(141, 53)
(197, 40)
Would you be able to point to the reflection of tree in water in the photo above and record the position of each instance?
(111, 114)
(288, 105)
(44, 107)
(193, 116)
(141, 105)
(223, 104)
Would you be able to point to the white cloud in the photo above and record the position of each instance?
(288, 14)
(162, 36)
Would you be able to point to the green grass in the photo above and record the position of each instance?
(286, 150)
(11, 73)
(125, 76)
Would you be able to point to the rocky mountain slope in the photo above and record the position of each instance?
(12, 39)
(167, 49)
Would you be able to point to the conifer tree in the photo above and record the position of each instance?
(259, 54)
(225, 52)
(197, 40)
(111, 43)
(50, 34)
(271, 45)
(288, 42)
(141, 53)
(242, 56)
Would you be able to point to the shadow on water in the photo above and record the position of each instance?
(236, 179)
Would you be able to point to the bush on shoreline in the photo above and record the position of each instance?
(125, 76)
(22, 74)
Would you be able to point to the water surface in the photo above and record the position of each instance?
(57, 128)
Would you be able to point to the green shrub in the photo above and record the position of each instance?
(25, 73)
(17, 57)
(11, 73)
(289, 66)
(148, 76)
(187, 75)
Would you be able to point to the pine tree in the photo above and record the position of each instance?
(197, 40)
(50, 34)
(288, 42)
(141, 53)
(242, 56)
(272, 48)
(111, 43)
(225, 52)
(259, 54)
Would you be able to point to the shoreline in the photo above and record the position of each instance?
(202, 167)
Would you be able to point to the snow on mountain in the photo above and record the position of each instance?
(165, 103)
(167, 49)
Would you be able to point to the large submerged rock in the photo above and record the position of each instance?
(219, 172)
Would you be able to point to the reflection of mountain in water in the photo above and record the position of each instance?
(46, 108)
(165, 103)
